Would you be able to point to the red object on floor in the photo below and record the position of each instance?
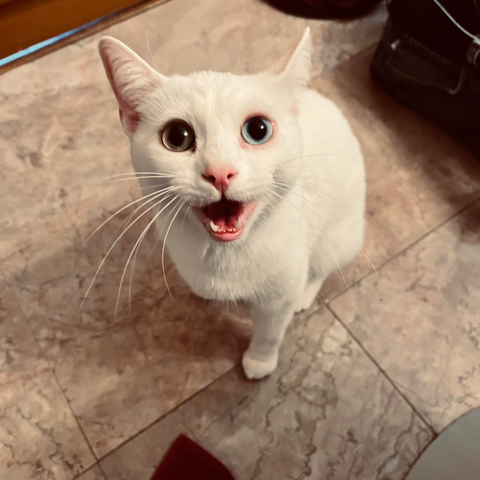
(186, 460)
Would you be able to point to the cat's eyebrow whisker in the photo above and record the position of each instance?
(137, 243)
(113, 246)
(157, 192)
(165, 244)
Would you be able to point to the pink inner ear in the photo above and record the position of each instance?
(129, 119)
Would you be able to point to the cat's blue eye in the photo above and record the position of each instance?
(257, 130)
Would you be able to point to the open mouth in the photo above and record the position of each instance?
(225, 220)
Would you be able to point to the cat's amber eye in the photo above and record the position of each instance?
(257, 130)
(178, 136)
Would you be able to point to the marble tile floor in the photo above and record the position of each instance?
(368, 376)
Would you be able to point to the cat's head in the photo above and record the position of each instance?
(225, 145)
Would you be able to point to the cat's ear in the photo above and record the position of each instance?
(130, 78)
(296, 63)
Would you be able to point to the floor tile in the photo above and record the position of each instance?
(326, 413)
(93, 474)
(60, 136)
(417, 176)
(38, 433)
(52, 279)
(20, 355)
(121, 380)
(138, 458)
(420, 319)
(250, 35)
(122, 372)
(39, 437)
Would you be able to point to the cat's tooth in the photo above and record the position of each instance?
(239, 224)
(214, 227)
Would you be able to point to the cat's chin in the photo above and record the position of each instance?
(225, 220)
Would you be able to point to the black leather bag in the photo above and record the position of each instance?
(429, 59)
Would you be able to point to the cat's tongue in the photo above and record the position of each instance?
(225, 213)
(225, 220)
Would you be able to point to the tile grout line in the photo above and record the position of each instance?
(98, 459)
(102, 471)
(165, 415)
(405, 249)
(360, 344)
(88, 470)
(316, 309)
(327, 304)
(383, 372)
(52, 371)
(74, 416)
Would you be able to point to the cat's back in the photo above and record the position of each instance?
(333, 160)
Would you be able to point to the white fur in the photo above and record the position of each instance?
(316, 223)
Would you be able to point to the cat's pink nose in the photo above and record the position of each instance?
(221, 177)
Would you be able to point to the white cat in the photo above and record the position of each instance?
(267, 171)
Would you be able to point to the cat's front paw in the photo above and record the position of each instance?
(255, 367)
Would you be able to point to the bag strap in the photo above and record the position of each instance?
(433, 29)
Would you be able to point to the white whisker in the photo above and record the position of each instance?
(135, 259)
(131, 215)
(137, 243)
(308, 156)
(165, 244)
(271, 204)
(124, 208)
(319, 233)
(368, 260)
(189, 208)
(287, 188)
(150, 52)
(163, 227)
(139, 174)
(115, 180)
(112, 247)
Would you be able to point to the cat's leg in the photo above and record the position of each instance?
(270, 321)
(309, 294)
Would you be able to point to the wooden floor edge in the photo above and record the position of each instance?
(102, 24)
